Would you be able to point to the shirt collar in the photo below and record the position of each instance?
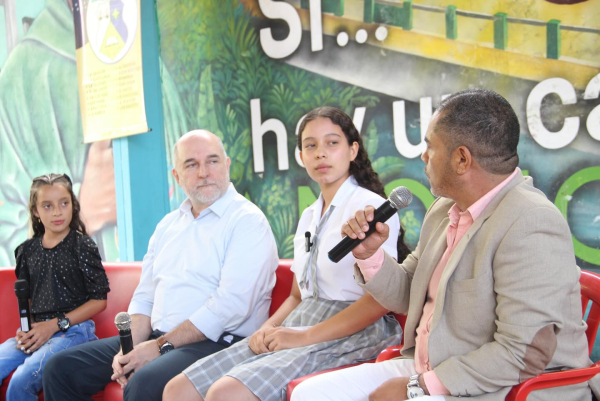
(344, 192)
(218, 207)
(341, 196)
(476, 208)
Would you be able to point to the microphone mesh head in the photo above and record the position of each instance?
(123, 321)
(401, 197)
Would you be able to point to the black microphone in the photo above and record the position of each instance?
(22, 292)
(399, 199)
(307, 243)
(123, 323)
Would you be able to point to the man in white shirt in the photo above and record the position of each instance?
(206, 283)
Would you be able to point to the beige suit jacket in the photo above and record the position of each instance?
(508, 305)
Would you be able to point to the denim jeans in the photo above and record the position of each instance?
(26, 382)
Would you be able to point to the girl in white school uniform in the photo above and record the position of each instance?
(328, 320)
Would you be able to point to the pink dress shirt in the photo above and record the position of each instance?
(460, 222)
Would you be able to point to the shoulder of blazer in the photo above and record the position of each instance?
(524, 196)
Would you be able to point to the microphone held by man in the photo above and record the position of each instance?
(399, 199)
(123, 323)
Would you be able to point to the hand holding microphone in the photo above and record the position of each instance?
(358, 229)
(22, 292)
(123, 323)
(130, 359)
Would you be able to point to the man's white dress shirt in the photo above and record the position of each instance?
(217, 270)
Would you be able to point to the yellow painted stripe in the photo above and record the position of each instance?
(462, 53)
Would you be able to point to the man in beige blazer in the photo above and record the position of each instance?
(491, 292)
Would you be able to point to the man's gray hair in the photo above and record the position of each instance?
(486, 124)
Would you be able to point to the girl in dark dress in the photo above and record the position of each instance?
(67, 285)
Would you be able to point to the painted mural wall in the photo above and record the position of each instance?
(249, 70)
(40, 125)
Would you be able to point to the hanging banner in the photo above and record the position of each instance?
(109, 68)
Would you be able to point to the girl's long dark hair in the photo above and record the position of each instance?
(51, 179)
(360, 168)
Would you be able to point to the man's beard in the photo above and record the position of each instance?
(207, 192)
(444, 182)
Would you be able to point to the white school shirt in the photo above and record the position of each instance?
(335, 280)
(217, 270)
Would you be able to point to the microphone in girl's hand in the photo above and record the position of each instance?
(399, 199)
(22, 292)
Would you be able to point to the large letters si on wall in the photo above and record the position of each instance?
(250, 70)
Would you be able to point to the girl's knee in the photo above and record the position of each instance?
(23, 384)
(227, 388)
(180, 388)
(11, 359)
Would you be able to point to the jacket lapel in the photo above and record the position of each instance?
(464, 242)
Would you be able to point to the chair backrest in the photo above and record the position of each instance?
(124, 278)
(590, 292)
(283, 285)
(9, 312)
(401, 319)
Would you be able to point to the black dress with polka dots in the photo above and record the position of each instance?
(62, 278)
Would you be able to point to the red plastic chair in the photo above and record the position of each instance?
(283, 285)
(9, 317)
(590, 292)
(123, 277)
(282, 289)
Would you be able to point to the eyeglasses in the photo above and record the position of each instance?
(52, 178)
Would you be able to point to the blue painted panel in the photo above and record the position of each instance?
(141, 165)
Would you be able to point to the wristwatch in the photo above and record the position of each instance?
(413, 390)
(63, 322)
(163, 345)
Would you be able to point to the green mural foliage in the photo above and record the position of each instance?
(213, 54)
(211, 50)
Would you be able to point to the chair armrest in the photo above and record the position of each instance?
(389, 353)
(554, 379)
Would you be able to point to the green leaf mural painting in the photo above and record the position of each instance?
(249, 70)
(216, 84)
